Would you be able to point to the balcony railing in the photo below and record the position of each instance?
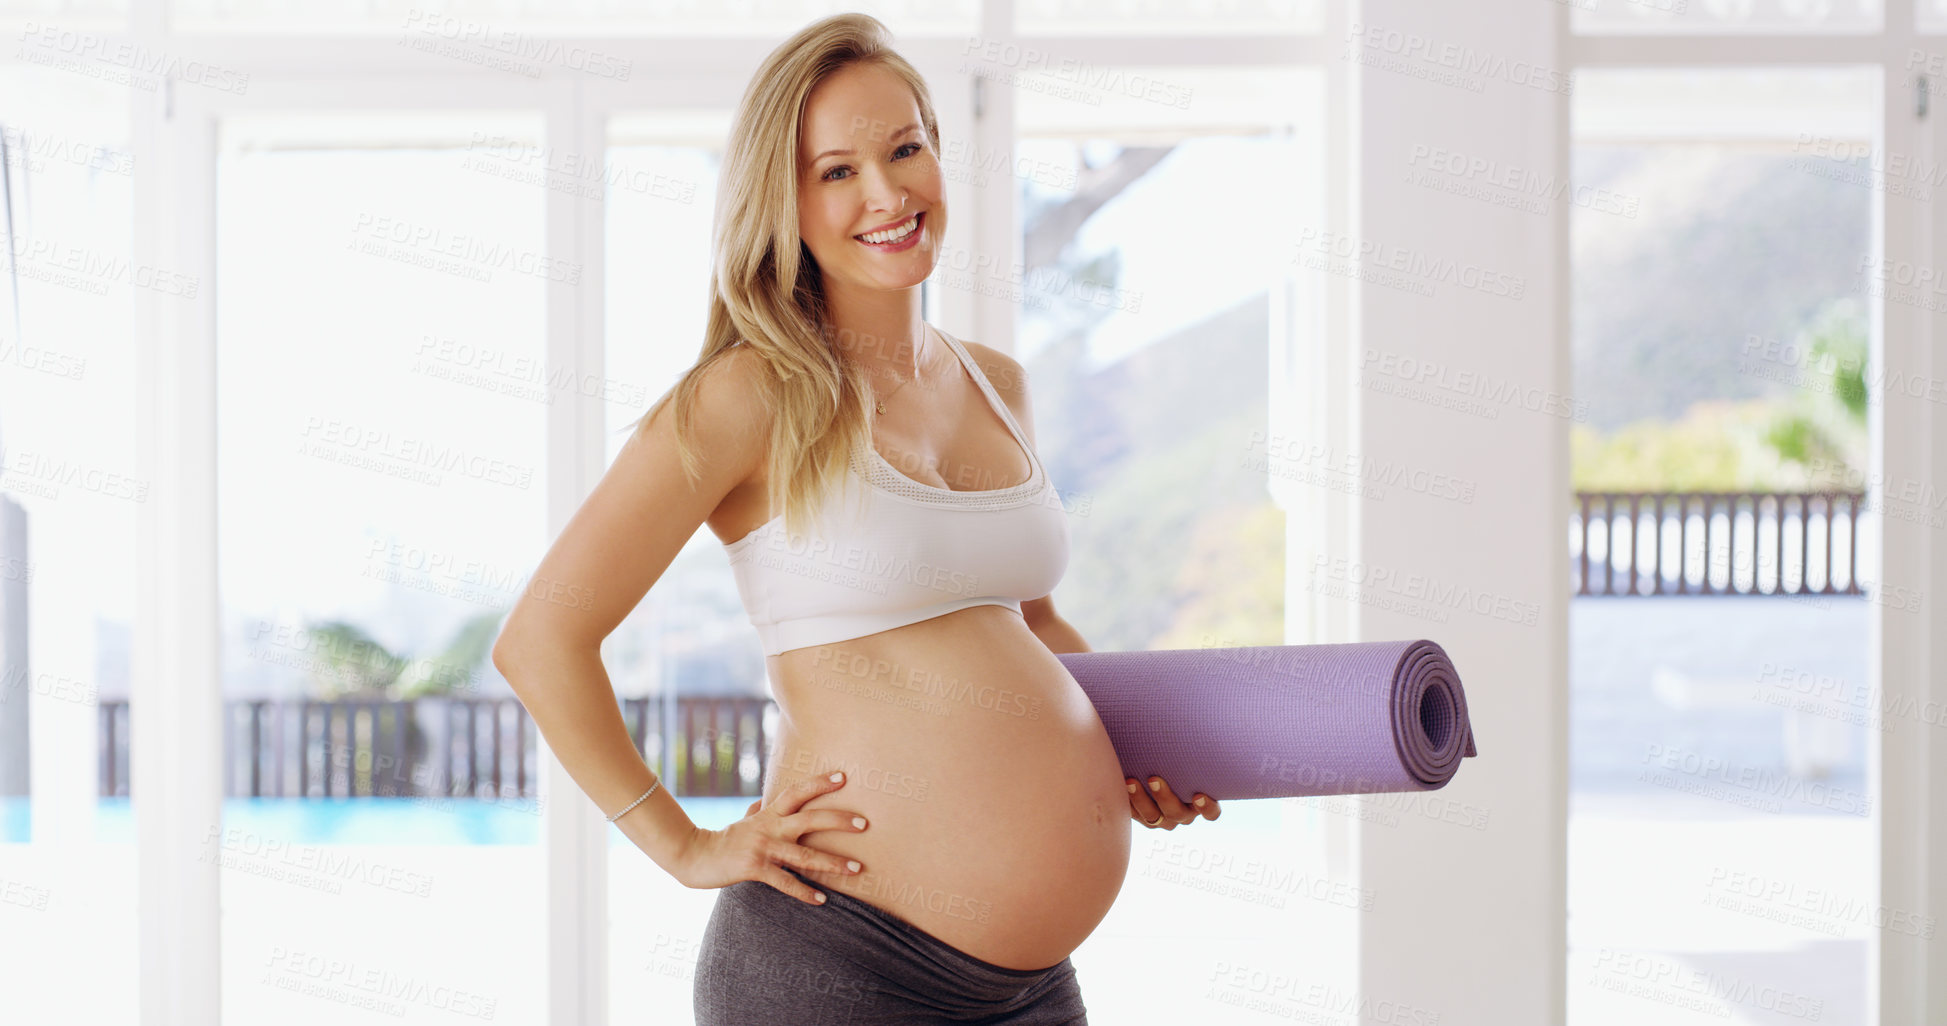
(1620, 543)
(1715, 543)
(452, 747)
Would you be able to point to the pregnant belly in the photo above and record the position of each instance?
(998, 819)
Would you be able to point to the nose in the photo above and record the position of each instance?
(881, 192)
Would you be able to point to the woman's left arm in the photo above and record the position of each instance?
(1154, 803)
(1056, 633)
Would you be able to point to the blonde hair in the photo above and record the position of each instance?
(767, 292)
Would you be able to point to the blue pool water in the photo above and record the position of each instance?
(367, 820)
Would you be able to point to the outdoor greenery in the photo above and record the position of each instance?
(1810, 434)
(353, 664)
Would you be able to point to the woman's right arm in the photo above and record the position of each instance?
(618, 543)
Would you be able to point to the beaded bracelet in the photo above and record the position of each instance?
(638, 801)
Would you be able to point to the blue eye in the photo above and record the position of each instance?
(827, 176)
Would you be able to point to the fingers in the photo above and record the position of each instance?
(799, 824)
(1208, 805)
(1175, 813)
(813, 862)
(805, 790)
(793, 886)
(754, 806)
(1157, 804)
(1142, 805)
(795, 822)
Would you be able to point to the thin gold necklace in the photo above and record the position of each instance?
(880, 403)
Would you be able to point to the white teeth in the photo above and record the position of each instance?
(893, 234)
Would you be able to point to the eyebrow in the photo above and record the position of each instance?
(847, 153)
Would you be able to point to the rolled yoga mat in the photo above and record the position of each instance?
(1282, 721)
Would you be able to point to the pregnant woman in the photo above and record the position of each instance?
(943, 816)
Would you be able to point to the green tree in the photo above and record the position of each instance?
(1812, 435)
(1822, 432)
(355, 665)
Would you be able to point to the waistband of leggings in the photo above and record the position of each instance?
(940, 949)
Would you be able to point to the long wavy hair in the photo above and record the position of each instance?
(766, 291)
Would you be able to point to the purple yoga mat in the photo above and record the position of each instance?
(1282, 721)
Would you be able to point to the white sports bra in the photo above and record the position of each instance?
(910, 552)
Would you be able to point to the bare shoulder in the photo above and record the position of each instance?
(733, 384)
(730, 422)
(640, 514)
(1009, 379)
(1007, 374)
(730, 415)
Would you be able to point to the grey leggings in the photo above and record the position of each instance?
(769, 958)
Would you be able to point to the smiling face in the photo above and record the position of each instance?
(891, 174)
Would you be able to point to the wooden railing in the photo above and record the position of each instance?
(1621, 544)
(718, 747)
(452, 747)
(1715, 543)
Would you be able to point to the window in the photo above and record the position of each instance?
(381, 400)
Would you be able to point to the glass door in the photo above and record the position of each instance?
(1723, 552)
(382, 392)
(71, 495)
